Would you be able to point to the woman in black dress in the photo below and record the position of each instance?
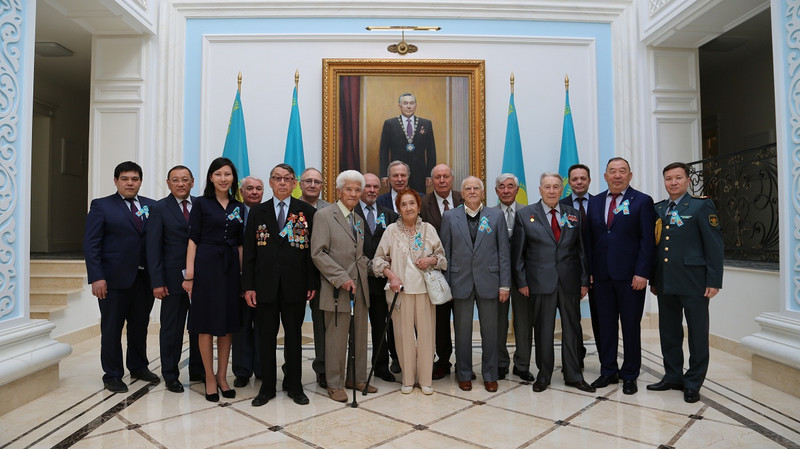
(213, 261)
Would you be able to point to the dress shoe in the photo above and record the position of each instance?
(691, 395)
(395, 366)
(241, 381)
(604, 381)
(473, 376)
(230, 394)
(321, 381)
(360, 387)
(261, 399)
(385, 375)
(115, 385)
(663, 385)
(581, 385)
(197, 377)
(502, 373)
(337, 395)
(299, 398)
(174, 385)
(524, 375)
(491, 386)
(465, 385)
(146, 375)
(440, 371)
(539, 386)
(629, 386)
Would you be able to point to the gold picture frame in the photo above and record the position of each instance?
(359, 95)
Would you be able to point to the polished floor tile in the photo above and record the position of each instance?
(734, 412)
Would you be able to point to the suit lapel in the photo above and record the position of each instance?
(479, 235)
(340, 218)
(545, 221)
(175, 209)
(461, 224)
(126, 210)
(360, 212)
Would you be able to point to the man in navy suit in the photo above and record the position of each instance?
(399, 172)
(114, 248)
(376, 219)
(409, 139)
(579, 179)
(167, 237)
(278, 278)
(621, 240)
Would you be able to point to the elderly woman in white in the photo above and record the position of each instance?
(407, 248)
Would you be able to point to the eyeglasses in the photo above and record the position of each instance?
(180, 180)
(286, 179)
(316, 182)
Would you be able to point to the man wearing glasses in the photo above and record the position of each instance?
(311, 186)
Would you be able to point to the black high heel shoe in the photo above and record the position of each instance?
(213, 397)
(230, 394)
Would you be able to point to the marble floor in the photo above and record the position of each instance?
(734, 412)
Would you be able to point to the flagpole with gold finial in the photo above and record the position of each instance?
(566, 82)
(239, 83)
(512, 83)
(296, 77)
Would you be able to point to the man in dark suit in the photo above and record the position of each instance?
(114, 248)
(167, 237)
(621, 241)
(507, 187)
(398, 180)
(278, 278)
(579, 180)
(475, 241)
(409, 139)
(431, 210)
(550, 267)
(688, 273)
(246, 359)
(376, 219)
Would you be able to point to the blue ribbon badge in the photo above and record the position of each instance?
(381, 220)
(235, 215)
(624, 207)
(675, 219)
(287, 230)
(565, 220)
(417, 245)
(143, 211)
(358, 229)
(484, 225)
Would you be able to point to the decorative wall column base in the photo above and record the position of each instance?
(28, 363)
(776, 352)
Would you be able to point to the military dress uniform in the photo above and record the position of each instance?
(689, 258)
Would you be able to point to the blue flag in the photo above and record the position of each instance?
(236, 140)
(512, 154)
(293, 156)
(569, 149)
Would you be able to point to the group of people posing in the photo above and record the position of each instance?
(241, 269)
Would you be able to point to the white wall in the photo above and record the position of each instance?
(745, 294)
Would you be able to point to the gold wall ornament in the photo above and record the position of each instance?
(403, 47)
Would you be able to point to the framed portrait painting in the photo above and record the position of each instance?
(365, 126)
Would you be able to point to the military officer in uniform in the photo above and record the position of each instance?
(687, 274)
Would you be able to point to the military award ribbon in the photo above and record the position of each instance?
(675, 219)
(381, 220)
(287, 230)
(358, 229)
(565, 220)
(624, 208)
(418, 245)
(143, 211)
(484, 225)
(235, 215)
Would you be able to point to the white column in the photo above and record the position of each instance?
(779, 337)
(25, 345)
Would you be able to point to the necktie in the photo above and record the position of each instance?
(446, 205)
(670, 206)
(185, 209)
(509, 220)
(554, 225)
(371, 218)
(611, 207)
(409, 129)
(137, 219)
(582, 209)
(352, 225)
(281, 216)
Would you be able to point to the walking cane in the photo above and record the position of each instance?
(352, 343)
(383, 338)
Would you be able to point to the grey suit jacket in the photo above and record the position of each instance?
(338, 256)
(540, 262)
(484, 265)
